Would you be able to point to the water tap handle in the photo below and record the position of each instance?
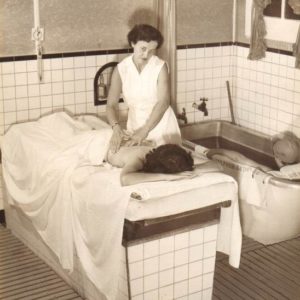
(202, 106)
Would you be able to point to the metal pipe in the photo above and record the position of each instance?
(230, 103)
(37, 36)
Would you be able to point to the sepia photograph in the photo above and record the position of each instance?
(149, 149)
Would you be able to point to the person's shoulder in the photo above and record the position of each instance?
(134, 153)
(125, 61)
(158, 61)
(124, 65)
(159, 64)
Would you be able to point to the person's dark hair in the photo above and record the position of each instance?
(144, 32)
(169, 158)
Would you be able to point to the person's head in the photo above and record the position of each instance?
(169, 158)
(286, 148)
(144, 39)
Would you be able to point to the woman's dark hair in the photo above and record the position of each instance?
(169, 158)
(145, 32)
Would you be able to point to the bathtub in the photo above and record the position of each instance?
(279, 219)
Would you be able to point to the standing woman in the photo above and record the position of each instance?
(144, 81)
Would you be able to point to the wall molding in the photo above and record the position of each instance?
(204, 45)
(221, 44)
(274, 50)
(129, 50)
(66, 54)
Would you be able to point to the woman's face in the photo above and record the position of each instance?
(286, 151)
(142, 51)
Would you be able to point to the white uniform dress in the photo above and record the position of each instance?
(140, 94)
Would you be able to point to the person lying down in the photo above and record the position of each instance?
(285, 146)
(166, 162)
(236, 157)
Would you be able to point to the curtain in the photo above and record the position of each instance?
(166, 23)
(258, 30)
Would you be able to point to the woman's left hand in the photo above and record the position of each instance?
(137, 137)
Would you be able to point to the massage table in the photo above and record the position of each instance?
(168, 242)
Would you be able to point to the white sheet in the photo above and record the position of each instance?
(45, 167)
(254, 187)
(253, 183)
(51, 169)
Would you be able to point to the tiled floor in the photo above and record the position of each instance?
(266, 272)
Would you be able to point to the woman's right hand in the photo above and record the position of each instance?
(116, 139)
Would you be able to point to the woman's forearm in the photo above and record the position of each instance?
(156, 115)
(113, 98)
(111, 114)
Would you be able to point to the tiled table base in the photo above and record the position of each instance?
(179, 265)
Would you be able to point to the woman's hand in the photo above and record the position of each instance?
(162, 104)
(138, 137)
(116, 139)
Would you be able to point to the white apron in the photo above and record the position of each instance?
(140, 95)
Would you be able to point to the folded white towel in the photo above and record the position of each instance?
(158, 189)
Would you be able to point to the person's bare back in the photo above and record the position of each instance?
(166, 162)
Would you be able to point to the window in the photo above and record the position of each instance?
(281, 22)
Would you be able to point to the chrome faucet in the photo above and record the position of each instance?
(182, 116)
(202, 106)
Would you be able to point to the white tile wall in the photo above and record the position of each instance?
(202, 73)
(265, 93)
(67, 84)
(180, 266)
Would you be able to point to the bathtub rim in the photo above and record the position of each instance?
(278, 182)
(223, 123)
